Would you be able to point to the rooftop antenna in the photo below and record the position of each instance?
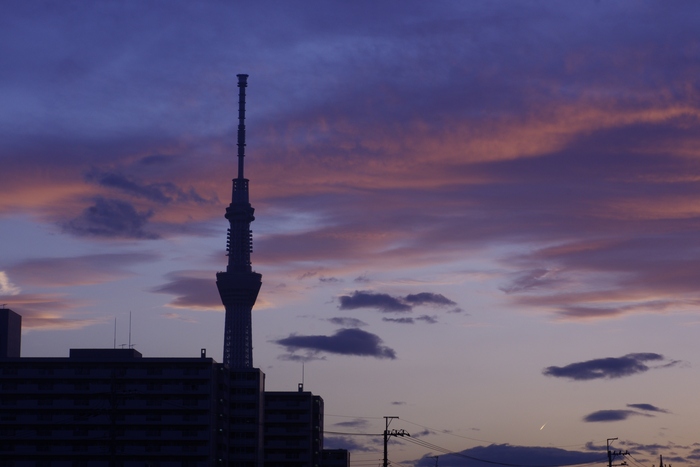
(115, 332)
(130, 346)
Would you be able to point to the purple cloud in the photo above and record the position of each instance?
(381, 301)
(347, 322)
(164, 193)
(111, 218)
(506, 454)
(389, 304)
(611, 415)
(427, 319)
(77, 270)
(191, 292)
(647, 408)
(399, 320)
(49, 311)
(608, 368)
(358, 423)
(427, 298)
(344, 342)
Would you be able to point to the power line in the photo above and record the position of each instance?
(434, 447)
(446, 432)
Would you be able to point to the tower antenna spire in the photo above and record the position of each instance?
(239, 285)
(242, 84)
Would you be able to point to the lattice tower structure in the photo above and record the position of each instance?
(239, 285)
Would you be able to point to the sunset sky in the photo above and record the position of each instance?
(482, 217)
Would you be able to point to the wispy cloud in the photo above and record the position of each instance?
(164, 192)
(50, 311)
(347, 322)
(7, 287)
(357, 423)
(111, 218)
(179, 317)
(78, 270)
(191, 291)
(647, 408)
(530, 280)
(399, 320)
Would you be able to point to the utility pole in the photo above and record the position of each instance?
(612, 454)
(661, 462)
(388, 433)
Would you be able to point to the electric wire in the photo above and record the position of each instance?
(476, 439)
(353, 434)
(434, 447)
(635, 461)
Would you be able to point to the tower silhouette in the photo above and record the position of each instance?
(239, 285)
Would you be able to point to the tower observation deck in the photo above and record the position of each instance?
(239, 285)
